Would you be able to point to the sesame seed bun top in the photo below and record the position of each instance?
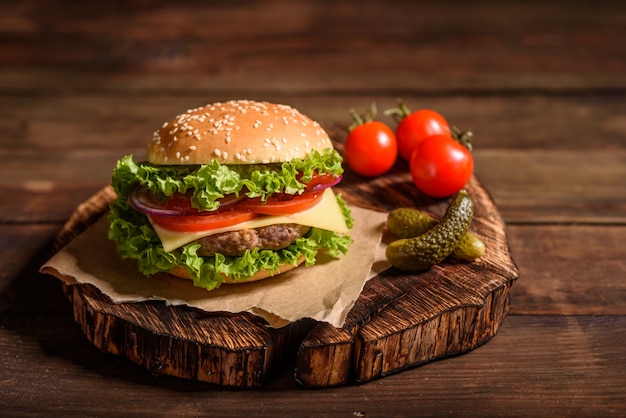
(237, 132)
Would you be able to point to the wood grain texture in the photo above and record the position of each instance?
(541, 83)
(79, 126)
(574, 269)
(326, 45)
(400, 320)
(235, 351)
(577, 374)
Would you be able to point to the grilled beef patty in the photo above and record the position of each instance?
(235, 243)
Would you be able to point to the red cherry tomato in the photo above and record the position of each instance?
(417, 126)
(371, 149)
(441, 166)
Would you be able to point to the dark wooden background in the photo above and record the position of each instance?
(541, 83)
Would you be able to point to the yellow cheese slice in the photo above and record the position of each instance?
(326, 214)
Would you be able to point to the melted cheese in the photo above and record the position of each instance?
(324, 215)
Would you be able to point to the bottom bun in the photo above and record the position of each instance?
(182, 273)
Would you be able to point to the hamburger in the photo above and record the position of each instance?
(231, 192)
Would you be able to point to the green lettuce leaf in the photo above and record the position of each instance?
(210, 182)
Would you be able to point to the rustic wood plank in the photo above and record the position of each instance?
(206, 348)
(546, 76)
(356, 82)
(404, 44)
(528, 186)
(82, 143)
(539, 364)
(402, 320)
(43, 201)
(558, 285)
(24, 248)
(569, 269)
(163, 340)
(541, 186)
(88, 124)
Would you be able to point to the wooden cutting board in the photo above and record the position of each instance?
(400, 320)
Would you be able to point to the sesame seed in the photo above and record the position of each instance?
(192, 147)
(218, 152)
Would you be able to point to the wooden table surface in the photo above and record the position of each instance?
(542, 85)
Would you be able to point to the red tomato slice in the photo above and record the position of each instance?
(281, 204)
(196, 223)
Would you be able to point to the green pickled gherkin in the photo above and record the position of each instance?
(470, 247)
(409, 223)
(433, 246)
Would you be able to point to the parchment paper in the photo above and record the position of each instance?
(324, 292)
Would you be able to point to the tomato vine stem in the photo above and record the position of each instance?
(368, 116)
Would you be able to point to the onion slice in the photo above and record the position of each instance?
(147, 202)
(321, 186)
